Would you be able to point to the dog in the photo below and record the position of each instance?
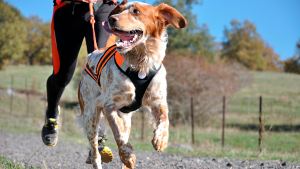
(131, 76)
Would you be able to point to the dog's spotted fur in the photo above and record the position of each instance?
(117, 89)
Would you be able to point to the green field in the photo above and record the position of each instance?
(281, 100)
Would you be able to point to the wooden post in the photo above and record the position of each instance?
(192, 119)
(260, 126)
(27, 95)
(11, 94)
(223, 122)
(143, 123)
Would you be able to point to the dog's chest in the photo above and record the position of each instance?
(130, 83)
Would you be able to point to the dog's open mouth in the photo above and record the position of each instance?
(127, 38)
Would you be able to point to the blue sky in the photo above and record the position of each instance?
(277, 21)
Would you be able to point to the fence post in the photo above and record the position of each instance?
(27, 95)
(143, 120)
(223, 121)
(11, 94)
(192, 119)
(260, 126)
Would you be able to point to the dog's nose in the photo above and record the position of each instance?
(112, 21)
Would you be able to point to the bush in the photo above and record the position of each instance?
(206, 83)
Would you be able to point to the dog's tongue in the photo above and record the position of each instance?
(124, 36)
(106, 27)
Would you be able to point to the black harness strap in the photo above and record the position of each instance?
(140, 85)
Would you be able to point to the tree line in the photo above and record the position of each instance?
(28, 41)
(23, 40)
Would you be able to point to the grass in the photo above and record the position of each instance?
(9, 164)
(36, 77)
(281, 98)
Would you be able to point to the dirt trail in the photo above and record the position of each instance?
(29, 148)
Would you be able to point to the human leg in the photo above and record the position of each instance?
(67, 35)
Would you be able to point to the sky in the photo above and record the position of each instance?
(277, 21)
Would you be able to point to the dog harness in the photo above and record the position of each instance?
(140, 84)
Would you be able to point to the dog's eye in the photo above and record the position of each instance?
(136, 11)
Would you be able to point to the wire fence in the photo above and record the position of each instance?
(255, 114)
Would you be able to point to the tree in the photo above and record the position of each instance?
(194, 39)
(11, 34)
(293, 65)
(244, 45)
(38, 41)
(271, 59)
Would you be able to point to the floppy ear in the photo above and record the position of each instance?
(171, 16)
(124, 2)
(117, 9)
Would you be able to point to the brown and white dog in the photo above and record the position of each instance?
(141, 29)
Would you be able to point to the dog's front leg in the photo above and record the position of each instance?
(121, 136)
(91, 123)
(161, 131)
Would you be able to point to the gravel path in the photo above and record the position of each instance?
(29, 148)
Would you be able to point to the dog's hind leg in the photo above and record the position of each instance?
(121, 134)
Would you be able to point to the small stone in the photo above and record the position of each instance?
(229, 165)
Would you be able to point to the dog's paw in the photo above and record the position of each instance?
(160, 139)
(127, 156)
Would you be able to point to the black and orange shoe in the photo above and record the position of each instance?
(50, 130)
(105, 152)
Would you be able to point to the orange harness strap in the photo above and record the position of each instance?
(111, 51)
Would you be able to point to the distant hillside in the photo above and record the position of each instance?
(281, 99)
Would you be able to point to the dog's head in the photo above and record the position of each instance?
(135, 22)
